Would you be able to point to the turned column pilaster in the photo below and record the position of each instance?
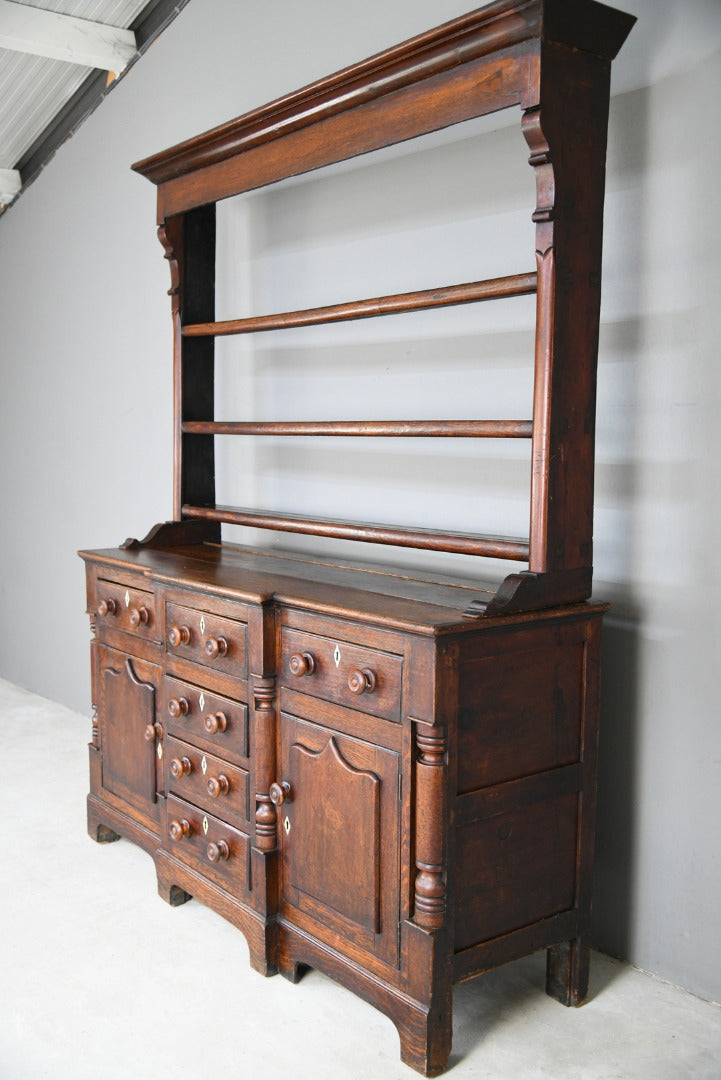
(431, 775)
(266, 818)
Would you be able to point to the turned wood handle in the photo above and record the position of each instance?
(107, 607)
(218, 785)
(302, 664)
(279, 792)
(178, 707)
(218, 852)
(215, 647)
(362, 682)
(215, 722)
(152, 731)
(179, 635)
(179, 829)
(181, 767)
(139, 616)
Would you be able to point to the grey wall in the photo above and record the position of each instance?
(85, 393)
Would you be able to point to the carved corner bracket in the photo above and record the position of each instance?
(168, 534)
(167, 237)
(529, 592)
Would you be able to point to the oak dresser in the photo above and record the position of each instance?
(384, 776)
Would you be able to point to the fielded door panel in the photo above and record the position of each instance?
(128, 730)
(339, 837)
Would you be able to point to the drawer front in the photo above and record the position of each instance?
(121, 608)
(360, 678)
(212, 722)
(210, 846)
(214, 785)
(207, 639)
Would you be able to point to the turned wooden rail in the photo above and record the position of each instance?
(398, 303)
(495, 547)
(454, 429)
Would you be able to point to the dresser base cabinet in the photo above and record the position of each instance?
(357, 776)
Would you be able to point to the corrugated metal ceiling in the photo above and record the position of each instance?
(36, 90)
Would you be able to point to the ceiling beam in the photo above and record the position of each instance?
(64, 37)
(10, 185)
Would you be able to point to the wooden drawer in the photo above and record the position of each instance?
(214, 723)
(120, 607)
(210, 846)
(207, 781)
(208, 639)
(360, 678)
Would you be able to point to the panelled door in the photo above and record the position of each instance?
(129, 731)
(338, 826)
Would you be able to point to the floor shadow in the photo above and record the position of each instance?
(613, 886)
(482, 1003)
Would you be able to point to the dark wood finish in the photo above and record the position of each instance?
(199, 844)
(389, 778)
(495, 547)
(338, 838)
(447, 296)
(209, 782)
(209, 721)
(421, 429)
(415, 801)
(340, 671)
(128, 731)
(550, 57)
(189, 244)
(207, 638)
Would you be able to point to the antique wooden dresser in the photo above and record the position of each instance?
(382, 776)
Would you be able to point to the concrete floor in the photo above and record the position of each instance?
(101, 979)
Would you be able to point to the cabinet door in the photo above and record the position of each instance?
(126, 718)
(339, 837)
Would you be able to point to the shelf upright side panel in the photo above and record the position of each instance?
(566, 133)
(195, 379)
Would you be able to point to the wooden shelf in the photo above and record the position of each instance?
(495, 547)
(449, 429)
(447, 296)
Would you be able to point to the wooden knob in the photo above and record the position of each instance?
(302, 664)
(218, 852)
(179, 635)
(107, 607)
(153, 731)
(181, 767)
(215, 722)
(279, 792)
(362, 682)
(218, 785)
(139, 616)
(216, 647)
(179, 829)
(178, 707)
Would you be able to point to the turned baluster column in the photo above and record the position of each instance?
(431, 776)
(266, 817)
(95, 736)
